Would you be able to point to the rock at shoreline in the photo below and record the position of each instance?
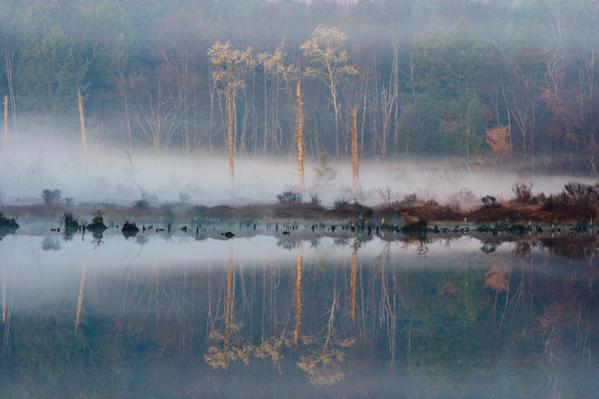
(129, 229)
(97, 224)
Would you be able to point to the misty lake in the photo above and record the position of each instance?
(159, 316)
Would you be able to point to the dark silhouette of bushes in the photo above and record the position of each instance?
(523, 193)
(142, 205)
(488, 201)
(290, 197)
(51, 197)
(577, 200)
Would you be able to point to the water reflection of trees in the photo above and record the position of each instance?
(446, 322)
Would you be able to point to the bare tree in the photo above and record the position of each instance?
(329, 62)
(229, 68)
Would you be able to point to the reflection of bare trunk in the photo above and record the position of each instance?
(3, 296)
(5, 124)
(298, 298)
(124, 305)
(300, 133)
(82, 122)
(354, 148)
(80, 299)
(331, 322)
(229, 301)
(352, 284)
(230, 143)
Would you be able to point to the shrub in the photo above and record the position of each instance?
(290, 197)
(489, 201)
(342, 204)
(51, 196)
(580, 192)
(523, 193)
(345, 204)
(576, 200)
(314, 199)
(142, 205)
(409, 201)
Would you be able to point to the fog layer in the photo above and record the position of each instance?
(109, 174)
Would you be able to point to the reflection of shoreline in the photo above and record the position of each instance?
(170, 252)
(393, 320)
(295, 232)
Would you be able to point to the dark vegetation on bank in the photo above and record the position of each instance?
(576, 204)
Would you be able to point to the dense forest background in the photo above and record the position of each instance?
(495, 83)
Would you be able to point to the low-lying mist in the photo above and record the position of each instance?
(109, 174)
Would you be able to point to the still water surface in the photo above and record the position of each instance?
(260, 317)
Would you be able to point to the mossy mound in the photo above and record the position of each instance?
(7, 223)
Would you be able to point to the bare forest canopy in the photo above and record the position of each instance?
(491, 82)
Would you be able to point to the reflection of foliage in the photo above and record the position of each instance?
(421, 244)
(443, 308)
(574, 246)
(288, 244)
(321, 361)
(323, 365)
(496, 278)
(271, 349)
(522, 249)
(228, 347)
(50, 244)
(51, 196)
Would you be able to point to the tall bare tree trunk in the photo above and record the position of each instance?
(396, 102)
(82, 122)
(5, 125)
(336, 109)
(354, 148)
(123, 92)
(298, 297)
(80, 299)
(230, 138)
(300, 134)
(11, 91)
